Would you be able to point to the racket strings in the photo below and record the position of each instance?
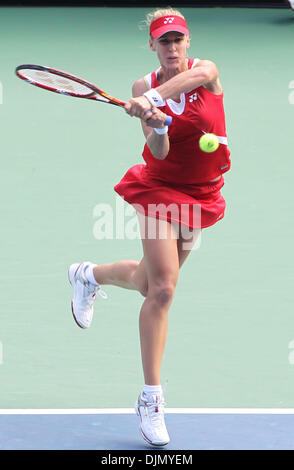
(62, 84)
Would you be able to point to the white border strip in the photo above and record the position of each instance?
(103, 411)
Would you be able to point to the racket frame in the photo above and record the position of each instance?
(106, 97)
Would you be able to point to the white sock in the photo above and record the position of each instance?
(152, 390)
(89, 275)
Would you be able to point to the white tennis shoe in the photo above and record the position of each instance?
(84, 294)
(152, 425)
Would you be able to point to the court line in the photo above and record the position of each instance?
(102, 411)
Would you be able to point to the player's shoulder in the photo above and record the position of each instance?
(139, 87)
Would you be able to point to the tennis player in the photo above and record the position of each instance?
(177, 175)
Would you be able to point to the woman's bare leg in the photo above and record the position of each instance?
(162, 267)
(131, 274)
(119, 273)
(155, 276)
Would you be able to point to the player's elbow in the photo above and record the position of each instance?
(208, 71)
(159, 151)
(159, 154)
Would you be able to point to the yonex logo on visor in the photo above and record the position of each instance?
(164, 24)
(169, 20)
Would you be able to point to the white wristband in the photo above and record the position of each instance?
(154, 98)
(161, 131)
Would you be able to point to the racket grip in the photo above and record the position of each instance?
(168, 120)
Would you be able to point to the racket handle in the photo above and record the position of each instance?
(168, 120)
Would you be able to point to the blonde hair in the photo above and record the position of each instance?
(158, 13)
(153, 15)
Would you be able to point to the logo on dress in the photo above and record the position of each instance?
(168, 20)
(193, 97)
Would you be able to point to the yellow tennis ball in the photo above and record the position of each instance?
(208, 143)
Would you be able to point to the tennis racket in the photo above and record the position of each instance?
(67, 84)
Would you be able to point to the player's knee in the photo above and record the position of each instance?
(133, 265)
(139, 279)
(143, 289)
(163, 293)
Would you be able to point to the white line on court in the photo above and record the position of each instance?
(103, 411)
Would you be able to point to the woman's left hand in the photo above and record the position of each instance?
(155, 118)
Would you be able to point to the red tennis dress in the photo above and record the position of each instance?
(178, 188)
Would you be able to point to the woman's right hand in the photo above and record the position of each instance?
(138, 106)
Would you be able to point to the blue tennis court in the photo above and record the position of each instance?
(230, 353)
(246, 430)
